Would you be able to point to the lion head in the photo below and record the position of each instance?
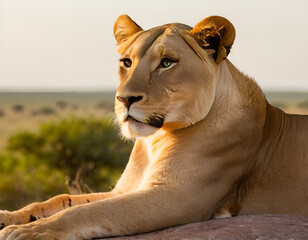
(168, 73)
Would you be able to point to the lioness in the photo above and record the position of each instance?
(207, 143)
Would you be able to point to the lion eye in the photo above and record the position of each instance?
(167, 62)
(127, 62)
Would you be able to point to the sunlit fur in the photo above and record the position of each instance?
(222, 150)
(183, 93)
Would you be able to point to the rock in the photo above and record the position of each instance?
(250, 227)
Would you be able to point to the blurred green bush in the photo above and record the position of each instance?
(87, 151)
(26, 179)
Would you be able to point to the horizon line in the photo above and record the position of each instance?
(92, 90)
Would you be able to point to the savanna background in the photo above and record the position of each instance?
(58, 76)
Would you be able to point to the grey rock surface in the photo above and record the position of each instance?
(250, 227)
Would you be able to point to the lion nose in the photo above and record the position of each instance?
(128, 101)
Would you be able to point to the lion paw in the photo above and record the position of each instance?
(30, 232)
(5, 219)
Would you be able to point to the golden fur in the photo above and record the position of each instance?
(207, 143)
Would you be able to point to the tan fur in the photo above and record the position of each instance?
(222, 149)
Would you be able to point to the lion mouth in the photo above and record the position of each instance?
(156, 121)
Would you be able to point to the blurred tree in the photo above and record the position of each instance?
(18, 108)
(44, 111)
(61, 104)
(47, 111)
(2, 113)
(303, 104)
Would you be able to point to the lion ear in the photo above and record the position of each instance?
(125, 27)
(215, 33)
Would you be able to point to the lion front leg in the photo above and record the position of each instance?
(126, 214)
(48, 208)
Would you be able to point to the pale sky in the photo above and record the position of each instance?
(68, 44)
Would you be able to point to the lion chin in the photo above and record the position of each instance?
(133, 129)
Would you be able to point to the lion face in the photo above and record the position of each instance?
(164, 84)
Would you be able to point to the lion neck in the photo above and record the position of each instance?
(238, 89)
(237, 97)
(239, 104)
